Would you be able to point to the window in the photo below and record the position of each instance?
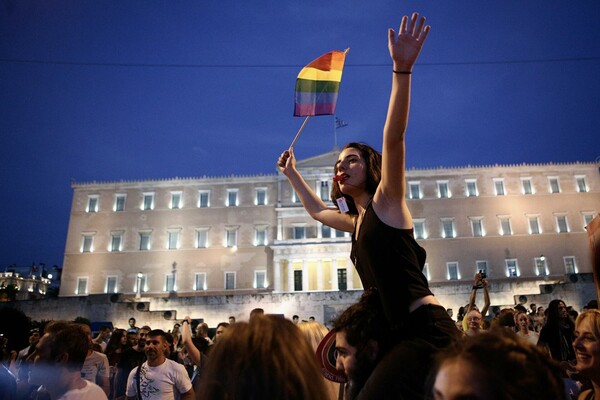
(471, 188)
(448, 228)
(481, 266)
(232, 198)
(200, 281)
(87, 243)
(476, 226)
(260, 236)
(453, 272)
(443, 190)
(144, 240)
(570, 264)
(299, 232)
(505, 226)
(340, 234)
(561, 223)
(295, 198)
(261, 197)
(176, 200)
(92, 205)
(419, 228)
(324, 190)
(342, 276)
(541, 266)
(231, 237)
(426, 271)
(298, 280)
(587, 218)
(111, 284)
(203, 198)
(526, 186)
(499, 186)
(229, 280)
(82, 286)
(554, 186)
(173, 239)
(414, 190)
(581, 185)
(201, 238)
(534, 224)
(120, 202)
(512, 268)
(170, 282)
(260, 279)
(325, 232)
(116, 241)
(148, 201)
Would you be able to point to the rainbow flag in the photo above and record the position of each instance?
(318, 84)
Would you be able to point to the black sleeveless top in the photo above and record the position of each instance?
(390, 260)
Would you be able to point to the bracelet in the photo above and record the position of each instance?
(185, 320)
(475, 287)
(402, 72)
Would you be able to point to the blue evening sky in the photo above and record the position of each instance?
(122, 90)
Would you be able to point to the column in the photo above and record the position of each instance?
(304, 276)
(334, 276)
(319, 275)
(290, 276)
(277, 276)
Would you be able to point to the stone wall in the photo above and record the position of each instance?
(163, 312)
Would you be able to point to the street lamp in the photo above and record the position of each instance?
(139, 285)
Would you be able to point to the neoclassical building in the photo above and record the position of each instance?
(250, 234)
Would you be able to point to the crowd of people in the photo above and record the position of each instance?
(396, 342)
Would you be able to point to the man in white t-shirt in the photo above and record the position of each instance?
(159, 378)
(95, 368)
(60, 354)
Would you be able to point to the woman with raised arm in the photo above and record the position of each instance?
(372, 187)
(370, 197)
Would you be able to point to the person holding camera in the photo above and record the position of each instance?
(473, 321)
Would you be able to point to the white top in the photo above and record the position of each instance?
(95, 365)
(91, 391)
(160, 382)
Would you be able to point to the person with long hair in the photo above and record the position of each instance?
(314, 333)
(558, 334)
(587, 352)
(114, 348)
(265, 358)
(369, 197)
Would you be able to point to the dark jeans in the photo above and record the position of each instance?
(404, 371)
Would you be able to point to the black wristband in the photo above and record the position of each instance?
(475, 287)
(402, 72)
(185, 320)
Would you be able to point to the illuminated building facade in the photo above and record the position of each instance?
(250, 234)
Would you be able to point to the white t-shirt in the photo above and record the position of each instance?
(91, 391)
(160, 382)
(95, 365)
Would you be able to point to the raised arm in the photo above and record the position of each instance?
(404, 49)
(313, 204)
(186, 341)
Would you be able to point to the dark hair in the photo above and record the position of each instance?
(553, 318)
(114, 343)
(159, 332)
(364, 321)
(225, 324)
(372, 159)
(511, 367)
(265, 358)
(70, 338)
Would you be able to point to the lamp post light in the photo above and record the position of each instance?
(139, 285)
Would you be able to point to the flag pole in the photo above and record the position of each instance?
(299, 131)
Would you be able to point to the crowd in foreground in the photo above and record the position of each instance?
(271, 357)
